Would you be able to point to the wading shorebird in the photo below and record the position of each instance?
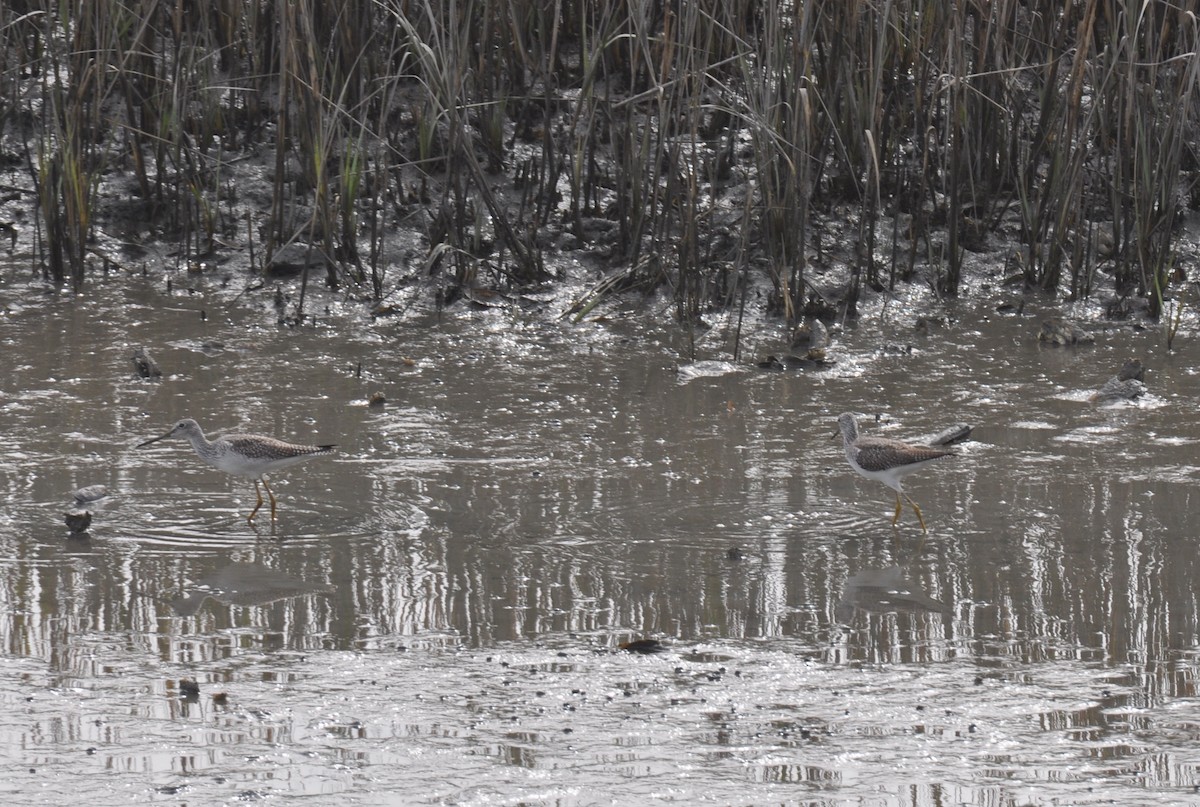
(248, 455)
(887, 461)
(1126, 385)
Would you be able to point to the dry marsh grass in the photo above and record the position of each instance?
(687, 146)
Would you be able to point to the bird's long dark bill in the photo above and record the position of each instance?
(154, 440)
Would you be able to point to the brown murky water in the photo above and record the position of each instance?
(435, 616)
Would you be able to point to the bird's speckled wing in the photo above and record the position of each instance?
(877, 454)
(254, 446)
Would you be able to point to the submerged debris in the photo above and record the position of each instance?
(1057, 331)
(950, 435)
(90, 493)
(706, 369)
(1126, 385)
(146, 366)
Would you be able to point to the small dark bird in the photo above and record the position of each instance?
(1126, 385)
(146, 367)
(78, 521)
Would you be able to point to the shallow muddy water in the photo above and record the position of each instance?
(435, 616)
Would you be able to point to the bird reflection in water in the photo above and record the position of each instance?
(245, 584)
(884, 590)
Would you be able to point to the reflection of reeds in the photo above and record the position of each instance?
(700, 140)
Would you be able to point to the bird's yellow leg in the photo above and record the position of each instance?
(917, 510)
(899, 510)
(272, 495)
(257, 493)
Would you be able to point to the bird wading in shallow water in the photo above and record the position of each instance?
(887, 461)
(248, 455)
(1126, 385)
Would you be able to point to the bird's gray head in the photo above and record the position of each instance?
(186, 428)
(848, 426)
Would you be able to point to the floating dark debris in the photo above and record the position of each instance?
(1057, 331)
(643, 646)
(813, 360)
